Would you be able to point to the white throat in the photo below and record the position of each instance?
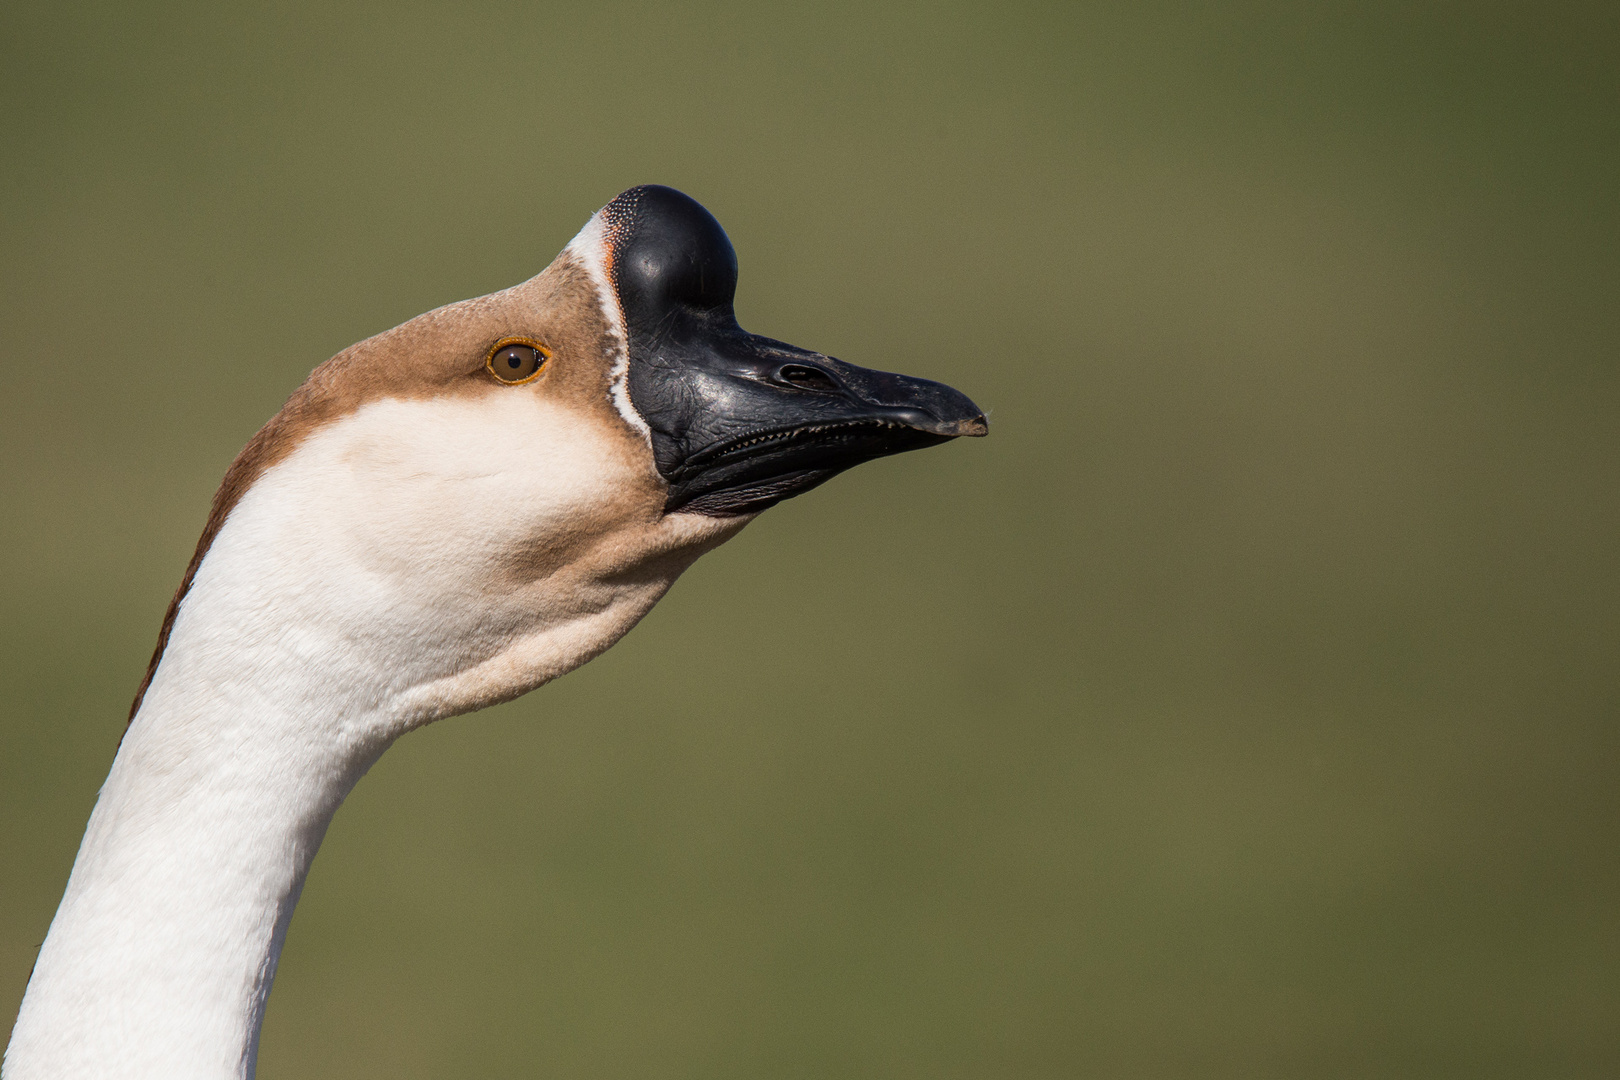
(389, 572)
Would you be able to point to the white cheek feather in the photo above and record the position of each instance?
(590, 248)
(387, 538)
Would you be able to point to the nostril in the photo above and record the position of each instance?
(807, 378)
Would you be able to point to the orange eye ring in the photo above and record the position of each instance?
(514, 361)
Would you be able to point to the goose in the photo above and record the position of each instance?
(444, 516)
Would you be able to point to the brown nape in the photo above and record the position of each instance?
(438, 354)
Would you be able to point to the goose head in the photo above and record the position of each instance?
(459, 509)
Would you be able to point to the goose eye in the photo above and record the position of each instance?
(517, 361)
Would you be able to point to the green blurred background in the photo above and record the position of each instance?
(1245, 706)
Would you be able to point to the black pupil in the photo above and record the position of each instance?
(513, 360)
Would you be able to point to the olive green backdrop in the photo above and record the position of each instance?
(1245, 706)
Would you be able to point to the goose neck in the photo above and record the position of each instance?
(161, 956)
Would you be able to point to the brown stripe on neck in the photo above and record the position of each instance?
(304, 411)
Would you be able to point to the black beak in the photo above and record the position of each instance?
(740, 422)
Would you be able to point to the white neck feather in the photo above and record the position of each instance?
(162, 953)
(364, 586)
